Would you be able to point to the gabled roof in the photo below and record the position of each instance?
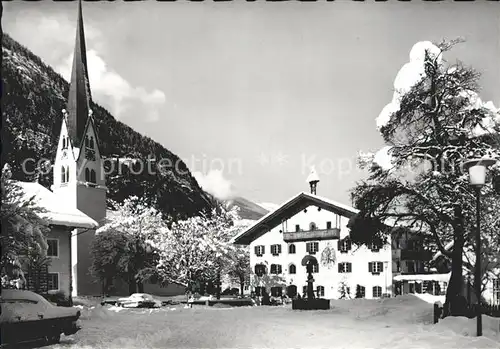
(288, 209)
(57, 211)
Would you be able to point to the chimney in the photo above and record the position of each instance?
(313, 180)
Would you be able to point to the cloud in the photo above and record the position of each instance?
(214, 183)
(54, 43)
(117, 91)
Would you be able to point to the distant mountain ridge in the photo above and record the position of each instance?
(33, 97)
(248, 210)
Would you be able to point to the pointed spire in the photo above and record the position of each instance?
(79, 96)
(313, 180)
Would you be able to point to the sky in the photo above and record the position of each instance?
(251, 94)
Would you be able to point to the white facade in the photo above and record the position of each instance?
(328, 277)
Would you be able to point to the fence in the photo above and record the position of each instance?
(471, 310)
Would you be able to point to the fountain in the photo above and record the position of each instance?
(310, 302)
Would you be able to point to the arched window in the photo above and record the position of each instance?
(67, 174)
(92, 176)
(292, 269)
(63, 175)
(312, 226)
(377, 291)
(320, 290)
(87, 141)
(87, 175)
(260, 269)
(291, 249)
(64, 142)
(91, 142)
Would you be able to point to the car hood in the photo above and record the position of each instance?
(12, 312)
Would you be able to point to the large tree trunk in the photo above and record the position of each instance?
(218, 284)
(140, 287)
(131, 285)
(455, 300)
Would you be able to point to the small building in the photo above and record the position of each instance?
(311, 225)
(63, 220)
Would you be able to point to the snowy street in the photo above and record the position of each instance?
(402, 322)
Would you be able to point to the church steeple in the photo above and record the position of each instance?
(79, 96)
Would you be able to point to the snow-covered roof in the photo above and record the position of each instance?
(287, 209)
(57, 212)
(423, 277)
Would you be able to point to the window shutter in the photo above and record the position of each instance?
(349, 244)
(256, 248)
(339, 245)
(349, 267)
(263, 249)
(279, 269)
(279, 249)
(308, 247)
(370, 267)
(381, 266)
(340, 267)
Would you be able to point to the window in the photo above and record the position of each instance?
(64, 142)
(87, 175)
(259, 290)
(275, 249)
(297, 227)
(320, 290)
(410, 265)
(304, 290)
(312, 247)
(328, 225)
(67, 174)
(292, 269)
(377, 291)
(375, 267)
(53, 248)
(276, 291)
(63, 174)
(291, 249)
(275, 268)
(345, 267)
(53, 281)
(91, 142)
(360, 291)
(496, 291)
(398, 266)
(92, 177)
(411, 285)
(344, 245)
(260, 269)
(375, 247)
(260, 250)
(315, 268)
(312, 226)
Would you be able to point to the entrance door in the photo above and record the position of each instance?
(291, 291)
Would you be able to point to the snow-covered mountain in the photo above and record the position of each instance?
(248, 210)
(269, 206)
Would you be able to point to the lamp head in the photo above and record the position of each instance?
(477, 170)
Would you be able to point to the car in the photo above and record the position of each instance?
(138, 300)
(28, 317)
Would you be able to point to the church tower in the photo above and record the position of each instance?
(79, 178)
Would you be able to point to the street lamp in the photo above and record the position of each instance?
(477, 178)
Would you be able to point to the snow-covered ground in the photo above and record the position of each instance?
(401, 322)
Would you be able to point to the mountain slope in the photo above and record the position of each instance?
(33, 96)
(247, 208)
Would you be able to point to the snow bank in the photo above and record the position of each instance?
(467, 327)
(424, 277)
(430, 298)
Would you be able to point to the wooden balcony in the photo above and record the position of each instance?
(319, 234)
(417, 255)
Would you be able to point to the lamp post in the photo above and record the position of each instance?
(477, 178)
